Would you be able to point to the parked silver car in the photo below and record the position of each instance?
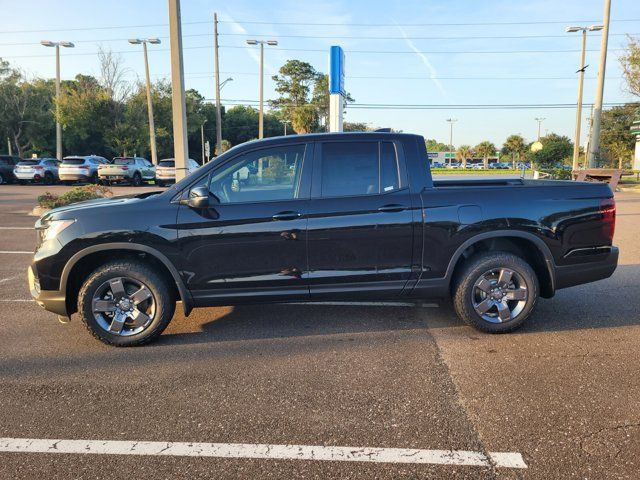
(80, 168)
(133, 170)
(43, 170)
(166, 170)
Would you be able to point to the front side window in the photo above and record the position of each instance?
(262, 175)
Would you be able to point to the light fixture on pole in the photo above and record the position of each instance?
(261, 90)
(583, 67)
(49, 43)
(152, 130)
(451, 122)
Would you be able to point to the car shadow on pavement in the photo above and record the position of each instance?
(613, 302)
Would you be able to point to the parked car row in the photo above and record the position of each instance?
(89, 168)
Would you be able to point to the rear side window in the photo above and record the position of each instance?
(359, 168)
(349, 169)
(73, 161)
(123, 161)
(29, 162)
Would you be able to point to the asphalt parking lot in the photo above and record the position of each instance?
(562, 394)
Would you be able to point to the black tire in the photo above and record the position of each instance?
(48, 178)
(159, 184)
(469, 297)
(136, 181)
(95, 179)
(2, 179)
(162, 296)
(68, 182)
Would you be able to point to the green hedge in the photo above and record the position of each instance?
(75, 195)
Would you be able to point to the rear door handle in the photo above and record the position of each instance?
(392, 208)
(286, 216)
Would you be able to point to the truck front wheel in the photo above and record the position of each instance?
(495, 292)
(126, 303)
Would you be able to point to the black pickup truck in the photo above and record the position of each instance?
(322, 217)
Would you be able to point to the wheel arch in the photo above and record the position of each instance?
(89, 258)
(524, 244)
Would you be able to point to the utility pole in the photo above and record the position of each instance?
(152, 129)
(9, 146)
(576, 141)
(216, 61)
(451, 122)
(539, 120)
(48, 43)
(261, 87)
(178, 103)
(594, 144)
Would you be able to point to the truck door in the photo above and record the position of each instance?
(360, 229)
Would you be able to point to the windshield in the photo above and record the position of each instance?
(123, 161)
(73, 161)
(29, 162)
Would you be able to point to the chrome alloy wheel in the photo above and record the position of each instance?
(123, 306)
(499, 295)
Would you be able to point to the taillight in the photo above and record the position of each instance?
(38, 167)
(125, 167)
(608, 211)
(84, 166)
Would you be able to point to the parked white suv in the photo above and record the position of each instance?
(80, 168)
(43, 170)
(133, 170)
(166, 170)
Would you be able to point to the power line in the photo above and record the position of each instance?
(391, 106)
(319, 37)
(251, 22)
(434, 24)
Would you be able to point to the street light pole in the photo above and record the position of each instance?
(202, 139)
(576, 141)
(594, 144)
(57, 45)
(152, 129)
(261, 87)
(539, 120)
(217, 150)
(451, 122)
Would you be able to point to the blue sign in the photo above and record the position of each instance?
(336, 70)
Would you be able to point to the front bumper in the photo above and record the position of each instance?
(51, 300)
(599, 267)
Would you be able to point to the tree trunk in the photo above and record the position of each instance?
(486, 162)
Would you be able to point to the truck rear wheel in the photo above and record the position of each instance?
(495, 292)
(126, 303)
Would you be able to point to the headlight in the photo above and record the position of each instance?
(54, 227)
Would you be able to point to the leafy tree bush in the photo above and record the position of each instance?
(75, 195)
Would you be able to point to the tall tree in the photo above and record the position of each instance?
(516, 147)
(463, 154)
(485, 149)
(617, 143)
(434, 146)
(556, 150)
(630, 62)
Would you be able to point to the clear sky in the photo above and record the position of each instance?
(427, 59)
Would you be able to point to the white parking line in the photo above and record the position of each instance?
(17, 300)
(264, 451)
(16, 251)
(8, 279)
(17, 228)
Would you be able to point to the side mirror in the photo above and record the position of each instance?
(198, 197)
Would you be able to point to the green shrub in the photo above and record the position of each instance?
(75, 195)
(558, 173)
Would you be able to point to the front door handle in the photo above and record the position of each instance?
(286, 216)
(392, 208)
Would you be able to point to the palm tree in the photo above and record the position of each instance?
(516, 147)
(486, 149)
(463, 153)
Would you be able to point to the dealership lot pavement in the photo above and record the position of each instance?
(564, 392)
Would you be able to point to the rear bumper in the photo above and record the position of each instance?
(599, 268)
(74, 176)
(51, 300)
(31, 176)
